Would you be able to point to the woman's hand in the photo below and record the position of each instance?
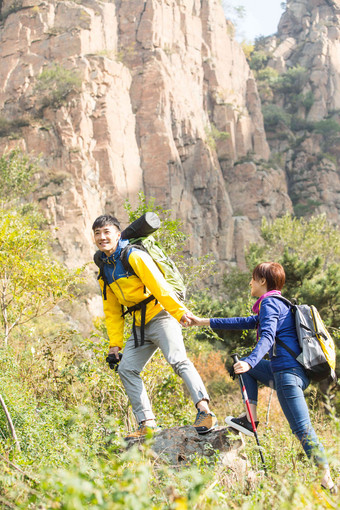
(241, 367)
(189, 319)
(197, 321)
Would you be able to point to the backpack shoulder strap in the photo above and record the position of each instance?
(124, 256)
(125, 260)
(97, 258)
(288, 349)
(285, 300)
(277, 340)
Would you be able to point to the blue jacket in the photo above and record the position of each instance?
(275, 319)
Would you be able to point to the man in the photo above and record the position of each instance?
(163, 316)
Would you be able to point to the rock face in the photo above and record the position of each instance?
(309, 37)
(157, 96)
(165, 103)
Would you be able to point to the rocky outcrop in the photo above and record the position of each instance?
(178, 447)
(160, 98)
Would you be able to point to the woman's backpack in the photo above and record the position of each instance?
(318, 349)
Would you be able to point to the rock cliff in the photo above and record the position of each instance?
(308, 41)
(151, 95)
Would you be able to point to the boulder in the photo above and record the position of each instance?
(178, 446)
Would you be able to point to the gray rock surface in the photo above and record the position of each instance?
(179, 446)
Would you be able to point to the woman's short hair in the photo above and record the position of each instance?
(272, 272)
(106, 219)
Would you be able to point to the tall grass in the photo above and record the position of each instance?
(71, 413)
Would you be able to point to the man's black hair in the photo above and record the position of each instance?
(105, 219)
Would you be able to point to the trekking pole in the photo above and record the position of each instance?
(246, 400)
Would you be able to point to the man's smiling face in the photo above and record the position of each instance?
(106, 239)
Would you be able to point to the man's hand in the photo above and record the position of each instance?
(186, 319)
(189, 319)
(198, 321)
(113, 358)
(115, 351)
(241, 367)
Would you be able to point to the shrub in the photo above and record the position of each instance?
(293, 81)
(214, 134)
(268, 75)
(16, 172)
(299, 124)
(55, 84)
(327, 127)
(306, 208)
(12, 127)
(258, 60)
(274, 116)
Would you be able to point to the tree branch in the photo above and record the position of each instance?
(10, 423)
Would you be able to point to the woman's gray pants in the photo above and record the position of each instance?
(165, 332)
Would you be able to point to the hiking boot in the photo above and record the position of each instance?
(142, 431)
(331, 490)
(205, 422)
(241, 424)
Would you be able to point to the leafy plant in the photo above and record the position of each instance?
(292, 81)
(258, 60)
(17, 170)
(327, 128)
(12, 128)
(55, 84)
(274, 116)
(214, 135)
(31, 284)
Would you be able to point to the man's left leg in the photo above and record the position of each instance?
(165, 332)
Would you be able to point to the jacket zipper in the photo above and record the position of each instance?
(116, 282)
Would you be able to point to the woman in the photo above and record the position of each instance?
(274, 319)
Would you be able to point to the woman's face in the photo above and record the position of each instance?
(258, 287)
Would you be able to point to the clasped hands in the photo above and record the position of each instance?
(189, 319)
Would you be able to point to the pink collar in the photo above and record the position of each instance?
(256, 307)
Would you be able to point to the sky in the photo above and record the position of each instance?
(261, 17)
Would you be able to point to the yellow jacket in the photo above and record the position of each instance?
(129, 289)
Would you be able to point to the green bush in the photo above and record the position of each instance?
(214, 135)
(268, 74)
(17, 172)
(258, 60)
(12, 128)
(274, 116)
(293, 81)
(300, 124)
(55, 84)
(327, 128)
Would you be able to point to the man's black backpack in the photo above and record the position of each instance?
(318, 349)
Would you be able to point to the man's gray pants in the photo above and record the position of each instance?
(164, 332)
